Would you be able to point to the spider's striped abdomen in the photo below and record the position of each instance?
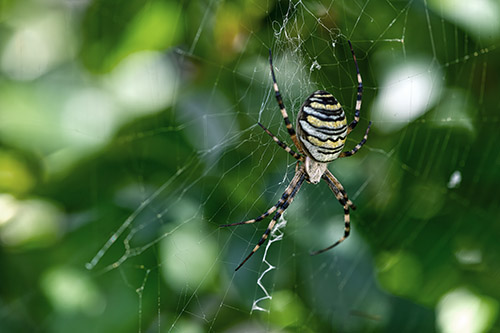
(322, 127)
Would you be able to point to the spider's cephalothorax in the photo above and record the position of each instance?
(321, 133)
(322, 130)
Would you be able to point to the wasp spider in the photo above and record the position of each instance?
(321, 134)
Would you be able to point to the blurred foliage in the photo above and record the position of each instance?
(128, 134)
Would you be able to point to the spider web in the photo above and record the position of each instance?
(193, 158)
(310, 53)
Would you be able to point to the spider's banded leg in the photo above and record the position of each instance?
(358, 146)
(341, 196)
(359, 95)
(347, 229)
(280, 202)
(296, 183)
(281, 144)
(260, 218)
(288, 124)
(335, 186)
(338, 195)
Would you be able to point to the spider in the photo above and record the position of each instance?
(321, 134)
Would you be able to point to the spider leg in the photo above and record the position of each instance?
(288, 124)
(347, 229)
(285, 195)
(359, 145)
(280, 202)
(359, 95)
(293, 189)
(281, 144)
(341, 195)
(337, 187)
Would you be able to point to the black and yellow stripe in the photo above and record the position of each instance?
(322, 127)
